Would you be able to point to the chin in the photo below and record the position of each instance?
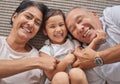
(88, 42)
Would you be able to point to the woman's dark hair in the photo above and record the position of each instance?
(52, 12)
(28, 3)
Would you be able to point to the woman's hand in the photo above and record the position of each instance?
(48, 63)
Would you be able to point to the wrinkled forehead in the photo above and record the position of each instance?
(72, 15)
(75, 14)
(76, 11)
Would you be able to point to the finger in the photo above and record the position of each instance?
(77, 50)
(80, 66)
(78, 55)
(70, 51)
(76, 63)
(56, 60)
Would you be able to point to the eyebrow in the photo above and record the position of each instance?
(37, 18)
(76, 18)
(79, 16)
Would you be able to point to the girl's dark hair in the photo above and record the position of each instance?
(52, 12)
(28, 3)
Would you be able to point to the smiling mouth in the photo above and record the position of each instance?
(26, 29)
(58, 35)
(86, 33)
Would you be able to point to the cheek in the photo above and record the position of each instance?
(65, 31)
(92, 36)
(49, 33)
(36, 29)
(77, 36)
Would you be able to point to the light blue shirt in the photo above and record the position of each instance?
(111, 25)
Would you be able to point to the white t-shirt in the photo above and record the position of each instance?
(29, 77)
(57, 50)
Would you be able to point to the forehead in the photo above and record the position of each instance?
(77, 11)
(34, 11)
(55, 18)
(75, 14)
(72, 15)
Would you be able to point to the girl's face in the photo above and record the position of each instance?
(56, 29)
(26, 23)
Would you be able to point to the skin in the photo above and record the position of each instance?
(80, 24)
(25, 26)
(83, 25)
(56, 30)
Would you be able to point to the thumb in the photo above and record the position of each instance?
(76, 63)
(57, 60)
(70, 51)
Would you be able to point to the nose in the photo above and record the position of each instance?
(58, 29)
(31, 23)
(80, 27)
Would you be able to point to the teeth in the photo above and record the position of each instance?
(58, 35)
(29, 31)
(85, 34)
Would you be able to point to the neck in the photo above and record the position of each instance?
(17, 44)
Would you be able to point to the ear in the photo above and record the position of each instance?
(14, 16)
(94, 13)
(44, 32)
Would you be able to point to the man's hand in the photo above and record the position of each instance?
(85, 58)
(101, 36)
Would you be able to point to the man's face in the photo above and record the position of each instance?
(82, 24)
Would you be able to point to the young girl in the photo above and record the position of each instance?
(60, 46)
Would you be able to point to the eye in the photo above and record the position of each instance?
(72, 29)
(61, 24)
(38, 23)
(79, 21)
(52, 26)
(28, 17)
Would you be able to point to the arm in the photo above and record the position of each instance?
(12, 67)
(86, 59)
(61, 66)
(111, 55)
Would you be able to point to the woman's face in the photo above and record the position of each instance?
(27, 23)
(56, 29)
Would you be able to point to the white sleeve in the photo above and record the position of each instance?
(45, 49)
(112, 15)
(2, 38)
(76, 43)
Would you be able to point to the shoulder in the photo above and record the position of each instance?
(74, 42)
(112, 15)
(2, 39)
(111, 10)
(46, 47)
